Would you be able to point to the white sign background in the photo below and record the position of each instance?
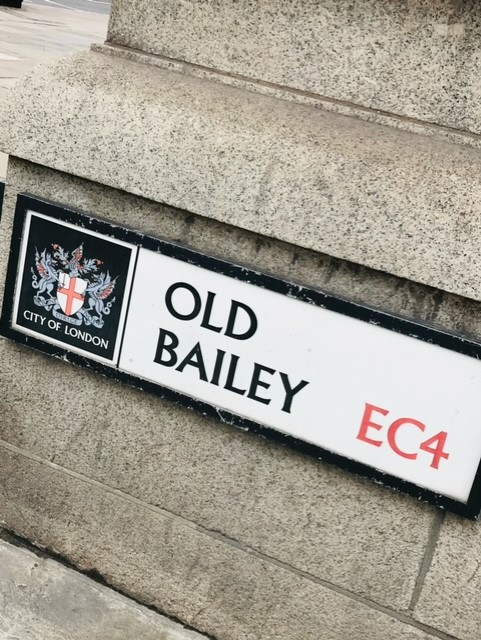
(347, 363)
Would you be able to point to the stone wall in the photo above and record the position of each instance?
(253, 132)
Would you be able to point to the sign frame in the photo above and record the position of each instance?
(423, 332)
(2, 195)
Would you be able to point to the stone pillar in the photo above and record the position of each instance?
(332, 144)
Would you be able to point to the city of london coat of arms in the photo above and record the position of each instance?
(72, 287)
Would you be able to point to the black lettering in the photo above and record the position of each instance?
(229, 383)
(229, 332)
(219, 359)
(290, 391)
(257, 382)
(194, 359)
(207, 312)
(169, 348)
(195, 295)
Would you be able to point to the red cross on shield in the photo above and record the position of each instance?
(70, 293)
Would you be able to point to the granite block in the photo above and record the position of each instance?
(391, 200)
(41, 598)
(350, 109)
(283, 504)
(451, 596)
(208, 583)
(414, 59)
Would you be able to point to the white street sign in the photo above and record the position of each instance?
(405, 407)
(361, 388)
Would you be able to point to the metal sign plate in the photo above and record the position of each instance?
(377, 394)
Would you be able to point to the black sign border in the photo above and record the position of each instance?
(2, 195)
(406, 327)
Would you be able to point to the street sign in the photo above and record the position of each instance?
(379, 395)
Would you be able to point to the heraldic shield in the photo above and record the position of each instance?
(70, 293)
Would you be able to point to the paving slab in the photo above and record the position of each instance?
(40, 33)
(96, 6)
(42, 599)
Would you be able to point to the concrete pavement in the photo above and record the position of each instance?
(95, 6)
(41, 32)
(41, 599)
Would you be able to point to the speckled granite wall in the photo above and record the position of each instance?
(414, 58)
(236, 536)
